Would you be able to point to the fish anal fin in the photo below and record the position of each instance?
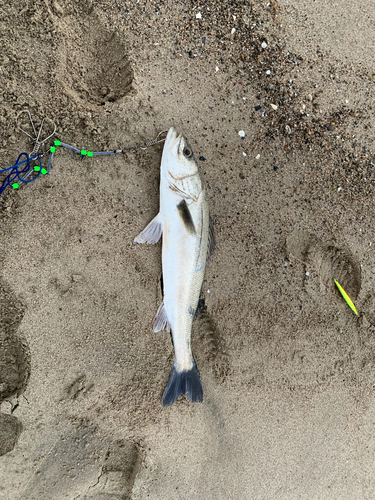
(151, 233)
(161, 320)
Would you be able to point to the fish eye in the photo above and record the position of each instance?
(187, 152)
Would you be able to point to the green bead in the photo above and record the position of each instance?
(90, 153)
(53, 149)
(44, 171)
(83, 152)
(57, 143)
(37, 169)
(15, 185)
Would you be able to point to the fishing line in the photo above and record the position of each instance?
(32, 167)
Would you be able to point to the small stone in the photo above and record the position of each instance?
(339, 189)
(198, 16)
(258, 108)
(273, 106)
(241, 133)
(257, 157)
(202, 158)
(330, 128)
(275, 167)
(268, 72)
(243, 152)
(233, 31)
(264, 45)
(288, 129)
(307, 273)
(217, 68)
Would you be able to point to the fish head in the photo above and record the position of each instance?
(179, 170)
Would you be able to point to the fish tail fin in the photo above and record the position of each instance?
(185, 382)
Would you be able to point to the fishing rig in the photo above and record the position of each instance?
(28, 166)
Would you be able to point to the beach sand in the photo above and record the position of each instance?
(287, 368)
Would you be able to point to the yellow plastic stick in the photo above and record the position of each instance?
(346, 297)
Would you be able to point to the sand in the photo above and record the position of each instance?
(287, 368)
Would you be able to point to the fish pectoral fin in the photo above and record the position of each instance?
(161, 320)
(151, 233)
(186, 217)
(211, 240)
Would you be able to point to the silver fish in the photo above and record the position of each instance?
(188, 239)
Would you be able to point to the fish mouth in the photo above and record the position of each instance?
(173, 139)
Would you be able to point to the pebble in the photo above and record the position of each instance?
(268, 72)
(258, 108)
(198, 16)
(241, 133)
(243, 152)
(288, 129)
(273, 106)
(307, 273)
(257, 157)
(339, 189)
(264, 45)
(217, 68)
(233, 31)
(202, 158)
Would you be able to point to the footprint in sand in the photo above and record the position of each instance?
(328, 261)
(209, 344)
(14, 365)
(85, 466)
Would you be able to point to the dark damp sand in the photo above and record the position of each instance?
(287, 369)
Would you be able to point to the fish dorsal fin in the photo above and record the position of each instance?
(152, 232)
(185, 216)
(161, 321)
(211, 240)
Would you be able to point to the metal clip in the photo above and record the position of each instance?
(38, 143)
(155, 141)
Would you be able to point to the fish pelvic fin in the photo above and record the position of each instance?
(186, 383)
(151, 233)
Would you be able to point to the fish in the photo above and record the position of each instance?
(188, 240)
